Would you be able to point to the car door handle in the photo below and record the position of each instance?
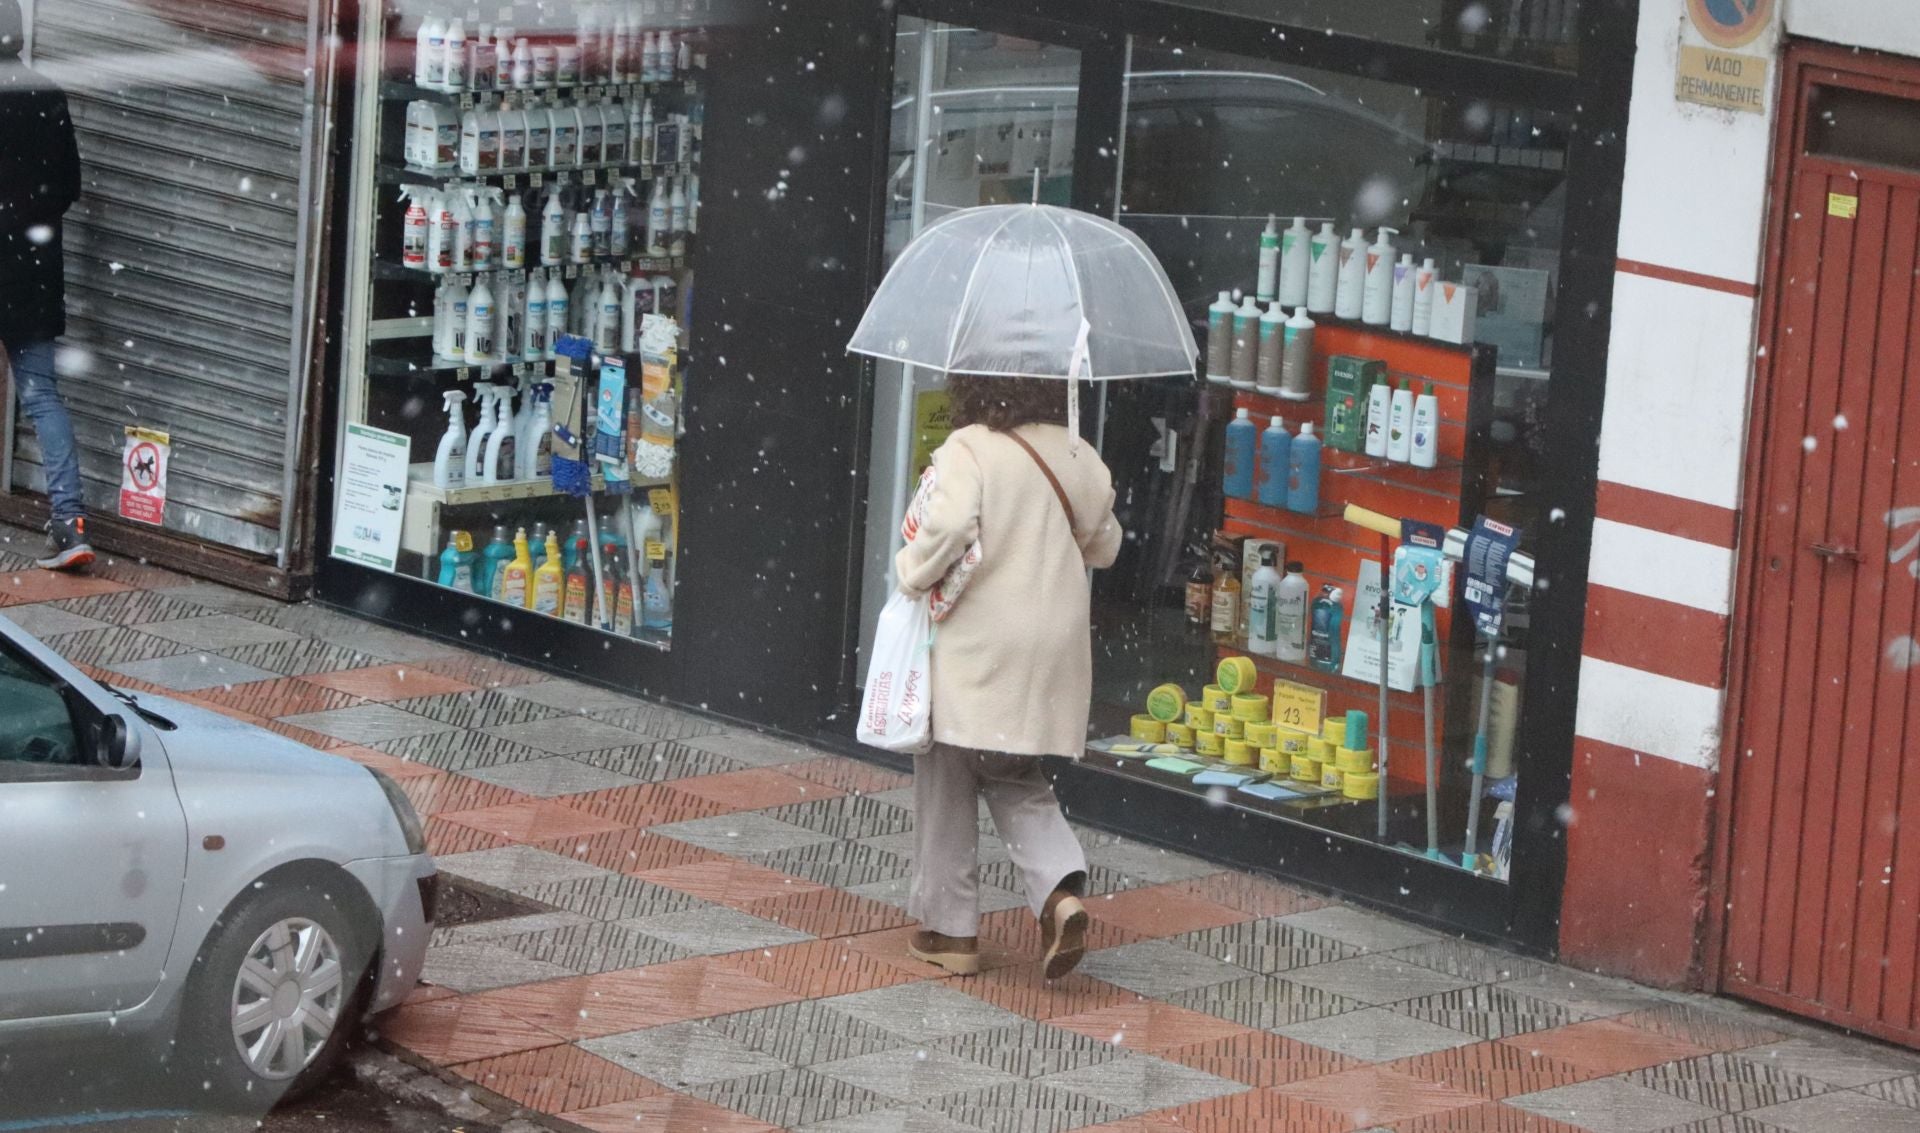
(1834, 551)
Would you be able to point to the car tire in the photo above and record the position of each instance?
(276, 994)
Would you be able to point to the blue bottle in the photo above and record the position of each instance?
(1275, 443)
(1237, 479)
(456, 562)
(1303, 472)
(497, 552)
(1324, 636)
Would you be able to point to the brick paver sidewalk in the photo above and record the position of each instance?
(697, 928)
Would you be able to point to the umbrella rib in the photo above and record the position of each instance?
(953, 328)
(1073, 275)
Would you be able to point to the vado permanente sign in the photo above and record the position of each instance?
(1716, 75)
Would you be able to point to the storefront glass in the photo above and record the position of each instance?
(1542, 33)
(527, 204)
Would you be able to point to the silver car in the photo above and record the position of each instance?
(168, 872)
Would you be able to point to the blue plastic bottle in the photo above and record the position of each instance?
(1303, 472)
(456, 562)
(1324, 638)
(497, 552)
(1275, 444)
(1237, 479)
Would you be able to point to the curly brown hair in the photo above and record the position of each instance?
(1006, 403)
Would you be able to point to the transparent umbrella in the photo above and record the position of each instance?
(1028, 291)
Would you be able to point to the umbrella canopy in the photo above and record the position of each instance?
(1008, 290)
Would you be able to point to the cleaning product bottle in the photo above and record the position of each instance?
(521, 69)
(622, 53)
(1424, 448)
(1303, 471)
(513, 580)
(539, 138)
(442, 233)
(456, 562)
(1275, 442)
(1295, 257)
(1400, 424)
(580, 245)
(497, 467)
(462, 204)
(600, 222)
(538, 445)
(453, 71)
(1273, 338)
(1246, 344)
(486, 226)
(479, 343)
(1290, 614)
(1379, 405)
(413, 226)
(470, 143)
(550, 581)
(430, 52)
(537, 545)
(1263, 608)
(677, 216)
(513, 139)
(645, 141)
(556, 311)
(566, 136)
(1324, 634)
(1423, 287)
(1296, 363)
(1350, 297)
(1400, 318)
(483, 60)
(442, 319)
(1226, 607)
(1220, 339)
(1237, 478)
(1323, 270)
(606, 325)
(620, 224)
(593, 131)
(1376, 306)
(535, 347)
(513, 242)
(553, 228)
(450, 459)
(574, 606)
(482, 430)
(512, 340)
(456, 336)
(498, 552)
(659, 219)
(1268, 283)
(632, 293)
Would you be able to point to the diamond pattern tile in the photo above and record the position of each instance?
(217, 632)
(1267, 1110)
(481, 966)
(613, 1002)
(591, 948)
(1380, 979)
(299, 657)
(742, 834)
(552, 777)
(1493, 1070)
(462, 1029)
(827, 912)
(1612, 1105)
(1901, 1091)
(849, 816)
(911, 1074)
(1486, 1011)
(1723, 1082)
(636, 802)
(611, 897)
(922, 1012)
(680, 1055)
(1369, 932)
(630, 850)
(1843, 1066)
(459, 751)
(477, 708)
(1149, 1026)
(388, 682)
(283, 696)
(1841, 1110)
(900, 1119)
(557, 1079)
(1378, 1095)
(369, 724)
(1266, 1002)
(1136, 1083)
(1157, 968)
(791, 1097)
(481, 671)
(850, 775)
(1162, 910)
(806, 1032)
(1496, 1117)
(561, 697)
(48, 619)
(534, 820)
(714, 929)
(1029, 1050)
(567, 735)
(1702, 1026)
(1376, 1035)
(1025, 1107)
(842, 865)
(1025, 990)
(514, 868)
(758, 788)
(1606, 1046)
(1265, 946)
(658, 761)
(1252, 894)
(730, 882)
(1260, 1058)
(668, 1112)
(191, 672)
(819, 969)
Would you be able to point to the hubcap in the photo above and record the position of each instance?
(286, 998)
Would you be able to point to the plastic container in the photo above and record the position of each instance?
(1290, 616)
(1323, 270)
(1303, 472)
(1379, 407)
(1220, 339)
(1424, 447)
(1296, 364)
(1400, 317)
(1242, 439)
(1295, 259)
(1351, 296)
(1400, 424)
(1263, 596)
(1423, 291)
(1268, 279)
(1268, 368)
(1376, 302)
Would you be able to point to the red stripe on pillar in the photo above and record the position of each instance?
(1656, 636)
(1688, 278)
(1670, 515)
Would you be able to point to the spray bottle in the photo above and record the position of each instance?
(539, 439)
(450, 459)
(645, 128)
(443, 333)
(497, 466)
(482, 430)
(461, 203)
(600, 222)
(413, 225)
(512, 304)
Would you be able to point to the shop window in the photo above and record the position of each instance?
(1543, 33)
(1215, 145)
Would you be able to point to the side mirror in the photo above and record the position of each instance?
(113, 744)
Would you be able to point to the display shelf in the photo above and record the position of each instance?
(601, 175)
(390, 272)
(397, 90)
(386, 359)
(420, 482)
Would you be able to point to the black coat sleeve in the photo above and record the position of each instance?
(42, 178)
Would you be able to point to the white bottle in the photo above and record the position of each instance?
(1351, 296)
(693, 205)
(522, 68)
(1323, 269)
(613, 139)
(606, 327)
(483, 61)
(566, 136)
(659, 219)
(497, 463)
(1295, 259)
(1263, 601)
(1376, 306)
(462, 205)
(644, 143)
(553, 228)
(1379, 408)
(1423, 285)
(513, 238)
(649, 56)
(430, 52)
(1426, 429)
(482, 430)
(600, 222)
(630, 294)
(556, 311)
(479, 345)
(683, 57)
(1266, 288)
(511, 340)
(620, 225)
(450, 459)
(580, 245)
(487, 223)
(1400, 425)
(413, 226)
(445, 154)
(513, 141)
(677, 216)
(1290, 616)
(535, 348)
(454, 69)
(446, 340)
(470, 143)
(593, 131)
(537, 445)
(618, 58)
(587, 39)
(1401, 317)
(539, 137)
(417, 149)
(545, 68)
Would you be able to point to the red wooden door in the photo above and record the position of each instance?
(1823, 880)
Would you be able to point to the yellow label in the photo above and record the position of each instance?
(656, 551)
(1298, 706)
(661, 500)
(1843, 206)
(1725, 80)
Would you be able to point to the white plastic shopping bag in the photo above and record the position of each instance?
(897, 712)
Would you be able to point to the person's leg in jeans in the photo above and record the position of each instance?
(945, 896)
(39, 394)
(1052, 865)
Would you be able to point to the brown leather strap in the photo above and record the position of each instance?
(1059, 492)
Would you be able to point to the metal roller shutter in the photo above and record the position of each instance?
(186, 287)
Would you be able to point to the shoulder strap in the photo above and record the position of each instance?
(1059, 492)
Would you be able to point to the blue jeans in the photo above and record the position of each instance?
(39, 393)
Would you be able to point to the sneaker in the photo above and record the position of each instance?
(1063, 932)
(67, 547)
(957, 954)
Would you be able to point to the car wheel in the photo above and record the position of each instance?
(275, 995)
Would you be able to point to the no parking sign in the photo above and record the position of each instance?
(143, 475)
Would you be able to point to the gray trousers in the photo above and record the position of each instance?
(946, 866)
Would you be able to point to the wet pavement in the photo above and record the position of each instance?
(668, 923)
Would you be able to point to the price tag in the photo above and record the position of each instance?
(1298, 706)
(466, 100)
(656, 551)
(523, 369)
(563, 176)
(626, 267)
(536, 179)
(466, 279)
(661, 500)
(591, 177)
(510, 181)
(463, 374)
(571, 271)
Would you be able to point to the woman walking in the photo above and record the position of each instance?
(1012, 663)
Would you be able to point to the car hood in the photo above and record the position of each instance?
(204, 741)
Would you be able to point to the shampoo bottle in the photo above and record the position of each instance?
(1268, 283)
(1263, 607)
(1323, 270)
(1290, 615)
(1275, 442)
(1351, 296)
(1401, 316)
(1423, 298)
(498, 554)
(450, 459)
(1324, 633)
(1242, 439)
(1376, 304)
(1303, 472)
(1425, 446)
(1400, 425)
(1273, 337)
(1246, 344)
(456, 562)
(1220, 339)
(1295, 259)
(550, 581)
(1296, 363)
(1379, 406)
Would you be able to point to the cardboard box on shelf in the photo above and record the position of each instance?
(1349, 379)
(1454, 309)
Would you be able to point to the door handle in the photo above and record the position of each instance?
(1834, 551)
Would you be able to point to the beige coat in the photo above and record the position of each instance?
(1013, 662)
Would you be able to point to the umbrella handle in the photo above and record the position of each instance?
(1036, 184)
